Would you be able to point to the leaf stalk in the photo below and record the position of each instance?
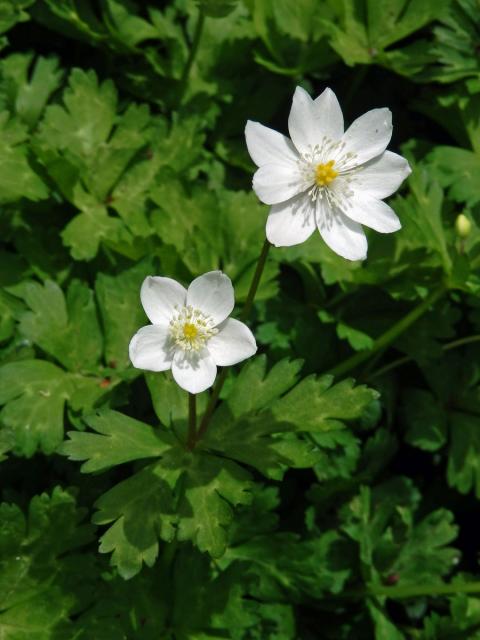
(391, 334)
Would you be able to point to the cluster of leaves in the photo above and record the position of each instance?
(316, 504)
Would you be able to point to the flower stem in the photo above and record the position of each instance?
(211, 404)
(192, 55)
(390, 335)
(192, 421)
(243, 316)
(401, 361)
(255, 280)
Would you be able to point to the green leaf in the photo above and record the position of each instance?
(183, 495)
(120, 309)
(18, 179)
(284, 564)
(168, 399)
(34, 394)
(10, 309)
(358, 340)
(456, 42)
(245, 428)
(71, 17)
(461, 618)
(153, 604)
(66, 328)
(449, 417)
(422, 215)
(457, 169)
(118, 439)
(230, 225)
(392, 541)
(86, 148)
(428, 540)
(293, 34)
(463, 470)
(425, 420)
(340, 453)
(316, 404)
(261, 425)
(127, 27)
(384, 628)
(12, 12)
(37, 590)
(84, 233)
(142, 509)
(85, 121)
(212, 487)
(7, 442)
(28, 85)
(367, 29)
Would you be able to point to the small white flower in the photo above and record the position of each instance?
(191, 332)
(324, 177)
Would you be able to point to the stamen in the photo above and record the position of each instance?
(190, 328)
(325, 173)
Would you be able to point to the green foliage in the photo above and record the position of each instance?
(449, 417)
(457, 43)
(34, 394)
(339, 471)
(18, 178)
(64, 327)
(193, 493)
(118, 439)
(27, 86)
(191, 496)
(367, 29)
(391, 541)
(40, 557)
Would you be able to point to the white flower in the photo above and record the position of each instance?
(191, 332)
(324, 177)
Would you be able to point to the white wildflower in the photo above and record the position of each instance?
(326, 178)
(191, 332)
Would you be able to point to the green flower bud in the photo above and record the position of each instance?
(463, 226)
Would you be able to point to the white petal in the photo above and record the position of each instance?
(301, 121)
(383, 175)
(328, 115)
(291, 222)
(159, 297)
(151, 348)
(368, 136)
(233, 343)
(274, 183)
(194, 371)
(266, 145)
(342, 235)
(213, 294)
(373, 213)
(310, 120)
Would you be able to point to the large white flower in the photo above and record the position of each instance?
(191, 332)
(324, 177)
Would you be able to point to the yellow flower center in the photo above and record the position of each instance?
(325, 173)
(190, 331)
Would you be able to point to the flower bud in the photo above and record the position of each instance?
(463, 226)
